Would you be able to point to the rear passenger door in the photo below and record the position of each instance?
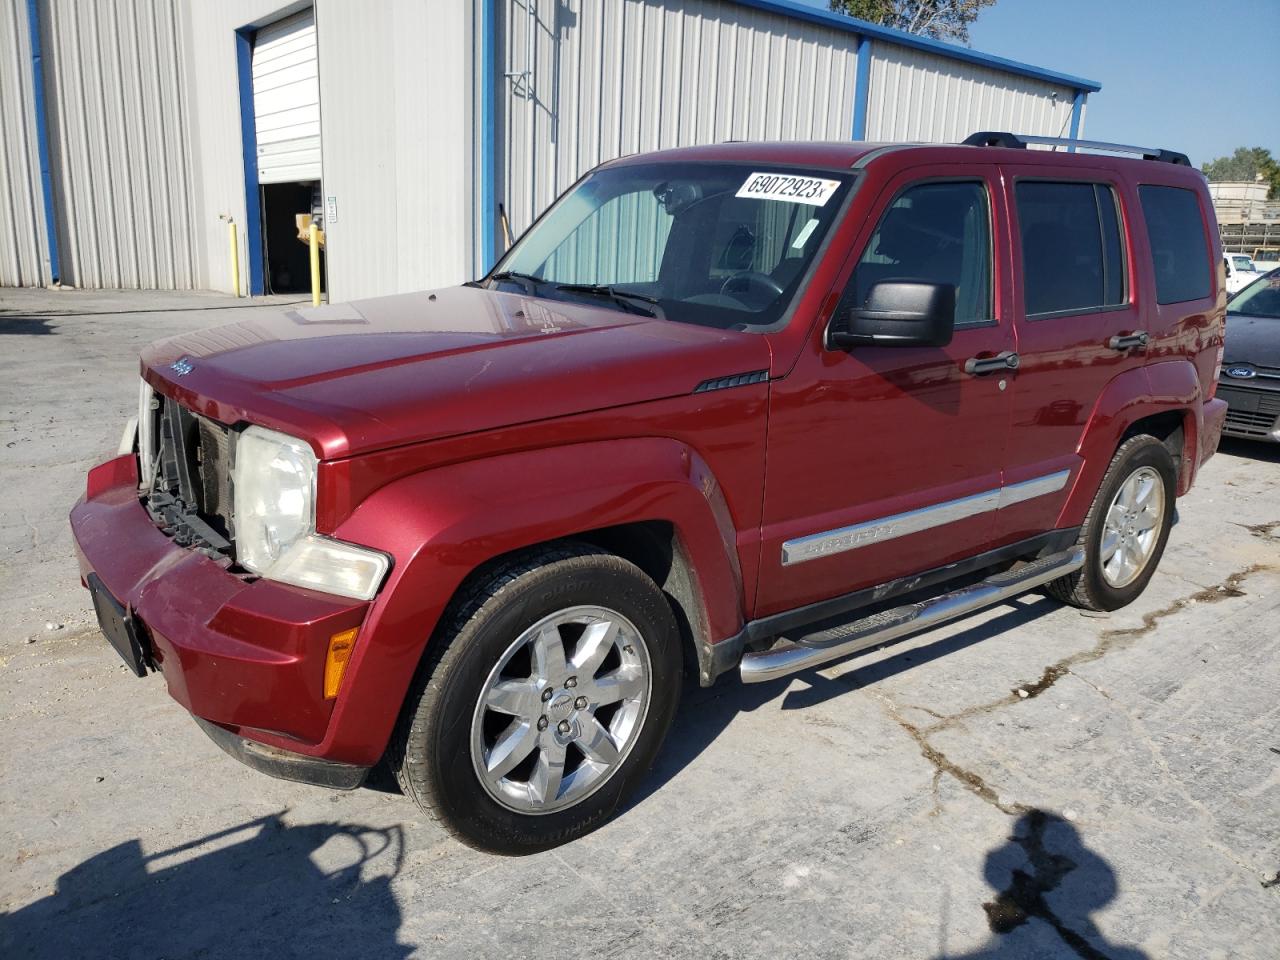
(1074, 292)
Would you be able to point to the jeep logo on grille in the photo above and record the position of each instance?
(1242, 373)
(181, 366)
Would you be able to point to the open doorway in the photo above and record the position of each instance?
(278, 74)
(287, 209)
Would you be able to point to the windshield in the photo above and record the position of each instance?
(1244, 264)
(721, 245)
(1260, 299)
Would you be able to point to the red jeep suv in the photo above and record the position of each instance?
(752, 407)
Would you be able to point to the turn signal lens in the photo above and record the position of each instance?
(335, 661)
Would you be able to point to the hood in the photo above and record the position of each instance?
(356, 377)
(1252, 340)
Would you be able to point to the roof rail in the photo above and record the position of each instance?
(1019, 141)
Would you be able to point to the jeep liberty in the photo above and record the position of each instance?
(747, 408)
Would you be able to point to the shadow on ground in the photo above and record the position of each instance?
(1050, 886)
(704, 714)
(255, 890)
(1250, 449)
(24, 325)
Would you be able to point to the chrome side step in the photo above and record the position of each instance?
(790, 656)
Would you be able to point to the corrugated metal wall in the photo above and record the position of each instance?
(916, 95)
(144, 121)
(612, 77)
(119, 143)
(396, 135)
(23, 257)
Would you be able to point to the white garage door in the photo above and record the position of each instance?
(286, 100)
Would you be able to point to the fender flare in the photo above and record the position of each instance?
(1169, 386)
(442, 524)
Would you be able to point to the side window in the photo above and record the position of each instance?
(934, 233)
(1072, 249)
(1179, 254)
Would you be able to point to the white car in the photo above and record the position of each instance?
(1241, 271)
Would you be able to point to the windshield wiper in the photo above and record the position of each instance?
(526, 280)
(621, 297)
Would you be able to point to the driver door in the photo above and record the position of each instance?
(886, 461)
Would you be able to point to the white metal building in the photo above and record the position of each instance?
(425, 131)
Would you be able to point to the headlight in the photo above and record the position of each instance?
(274, 483)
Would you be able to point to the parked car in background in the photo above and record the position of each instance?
(1250, 379)
(1240, 271)
(1266, 258)
(747, 408)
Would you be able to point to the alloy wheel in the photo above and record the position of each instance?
(1132, 527)
(560, 711)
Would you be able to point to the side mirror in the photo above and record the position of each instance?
(897, 313)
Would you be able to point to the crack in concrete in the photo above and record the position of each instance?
(1109, 640)
(1264, 531)
(1025, 896)
(942, 764)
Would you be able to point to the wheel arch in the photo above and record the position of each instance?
(652, 501)
(1161, 399)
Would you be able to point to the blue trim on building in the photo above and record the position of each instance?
(862, 88)
(488, 119)
(837, 21)
(1077, 108)
(42, 142)
(249, 141)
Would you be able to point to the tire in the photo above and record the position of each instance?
(496, 646)
(1110, 582)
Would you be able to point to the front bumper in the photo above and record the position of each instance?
(244, 654)
(284, 764)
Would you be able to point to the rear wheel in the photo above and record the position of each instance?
(1125, 532)
(545, 702)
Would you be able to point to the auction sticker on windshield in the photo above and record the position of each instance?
(788, 187)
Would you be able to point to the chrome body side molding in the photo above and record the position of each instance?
(828, 542)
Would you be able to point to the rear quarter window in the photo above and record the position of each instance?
(1179, 254)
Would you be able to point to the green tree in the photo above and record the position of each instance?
(1247, 163)
(942, 19)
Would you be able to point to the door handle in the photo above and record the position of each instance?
(1005, 360)
(1128, 341)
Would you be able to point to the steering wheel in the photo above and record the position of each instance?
(745, 280)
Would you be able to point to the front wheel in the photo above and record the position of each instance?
(544, 703)
(1125, 532)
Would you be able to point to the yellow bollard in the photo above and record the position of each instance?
(235, 256)
(313, 239)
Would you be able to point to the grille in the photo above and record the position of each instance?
(190, 495)
(1250, 412)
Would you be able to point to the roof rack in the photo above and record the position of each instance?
(1019, 141)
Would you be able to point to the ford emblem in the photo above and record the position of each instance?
(183, 366)
(1242, 373)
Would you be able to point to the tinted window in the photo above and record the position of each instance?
(1178, 251)
(934, 233)
(1072, 251)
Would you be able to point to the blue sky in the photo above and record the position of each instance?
(1173, 72)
